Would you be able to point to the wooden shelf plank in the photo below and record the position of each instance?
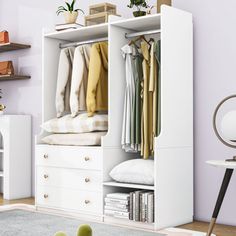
(125, 185)
(14, 77)
(13, 46)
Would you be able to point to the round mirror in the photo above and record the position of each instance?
(224, 121)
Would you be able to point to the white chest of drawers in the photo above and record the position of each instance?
(69, 179)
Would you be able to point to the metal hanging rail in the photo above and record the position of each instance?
(74, 44)
(136, 34)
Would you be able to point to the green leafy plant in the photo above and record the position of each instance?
(139, 4)
(69, 7)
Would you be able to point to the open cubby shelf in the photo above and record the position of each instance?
(12, 47)
(126, 185)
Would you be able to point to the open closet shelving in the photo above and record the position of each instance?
(173, 159)
(7, 47)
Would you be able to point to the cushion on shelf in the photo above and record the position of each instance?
(80, 124)
(86, 139)
(137, 171)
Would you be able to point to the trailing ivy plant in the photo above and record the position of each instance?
(69, 7)
(139, 4)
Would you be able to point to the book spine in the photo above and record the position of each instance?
(120, 206)
(118, 196)
(131, 215)
(116, 209)
(116, 213)
(150, 208)
(112, 200)
(137, 206)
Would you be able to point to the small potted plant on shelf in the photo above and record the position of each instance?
(139, 4)
(70, 13)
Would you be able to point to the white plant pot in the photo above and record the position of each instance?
(70, 17)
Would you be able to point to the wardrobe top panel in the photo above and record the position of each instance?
(148, 22)
(80, 34)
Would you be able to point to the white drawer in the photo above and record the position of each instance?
(70, 178)
(69, 157)
(60, 198)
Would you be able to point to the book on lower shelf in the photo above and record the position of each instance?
(60, 27)
(137, 206)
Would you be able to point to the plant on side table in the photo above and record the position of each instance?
(139, 4)
(70, 13)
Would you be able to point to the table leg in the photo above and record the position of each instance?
(224, 186)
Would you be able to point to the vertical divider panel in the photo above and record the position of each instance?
(174, 146)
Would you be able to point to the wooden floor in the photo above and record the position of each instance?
(29, 201)
(220, 230)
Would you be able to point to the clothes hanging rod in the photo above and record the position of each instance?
(83, 42)
(136, 34)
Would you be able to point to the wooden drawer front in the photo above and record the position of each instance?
(69, 178)
(69, 157)
(61, 198)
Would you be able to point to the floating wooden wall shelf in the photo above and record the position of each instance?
(12, 47)
(13, 77)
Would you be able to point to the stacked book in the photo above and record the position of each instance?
(117, 205)
(142, 206)
(60, 27)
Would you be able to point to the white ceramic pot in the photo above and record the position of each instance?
(70, 17)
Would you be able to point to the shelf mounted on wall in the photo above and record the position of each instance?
(7, 47)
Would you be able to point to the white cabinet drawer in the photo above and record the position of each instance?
(70, 178)
(89, 202)
(69, 157)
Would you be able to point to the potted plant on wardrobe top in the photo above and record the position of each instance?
(70, 12)
(139, 4)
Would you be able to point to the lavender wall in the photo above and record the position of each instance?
(214, 64)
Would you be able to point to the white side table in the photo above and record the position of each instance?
(15, 156)
(229, 166)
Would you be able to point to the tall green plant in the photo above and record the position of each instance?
(139, 4)
(69, 7)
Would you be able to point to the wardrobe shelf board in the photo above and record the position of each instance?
(143, 23)
(1, 173)
(14, 77)
(80, 34)
(129, 223)
(12, 46)
(124, 185)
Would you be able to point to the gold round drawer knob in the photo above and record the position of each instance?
(86, 202)
(87, 180)
(45, 156)
(45, 196)
(45, 176)
(86, 158)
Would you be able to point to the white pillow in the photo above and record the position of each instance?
(137, 171)
(88, 139)
(80, 124)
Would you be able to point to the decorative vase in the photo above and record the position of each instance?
(139, 13)
(70, 17)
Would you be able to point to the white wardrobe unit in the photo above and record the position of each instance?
(75, 180)
(15, 156)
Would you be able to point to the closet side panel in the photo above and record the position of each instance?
(174, 146)
(176, 79)
(117, 84)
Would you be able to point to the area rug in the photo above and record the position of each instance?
(29, 223)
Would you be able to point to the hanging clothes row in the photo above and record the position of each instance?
(141, 117)
(82, 83)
